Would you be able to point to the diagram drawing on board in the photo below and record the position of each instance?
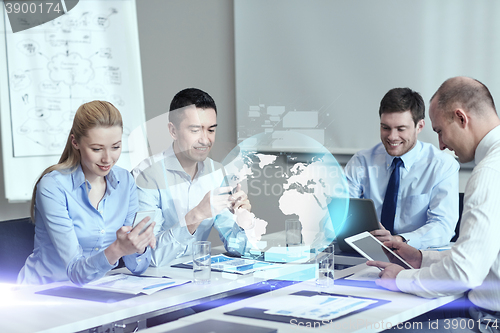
(57, 66)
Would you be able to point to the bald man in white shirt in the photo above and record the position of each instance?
(463, 115)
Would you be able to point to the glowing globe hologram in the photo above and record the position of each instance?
(308, 184)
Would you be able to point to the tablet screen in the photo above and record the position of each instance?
(373, 249)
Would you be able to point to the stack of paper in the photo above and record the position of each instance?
(133, 284)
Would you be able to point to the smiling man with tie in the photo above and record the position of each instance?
(414, 185)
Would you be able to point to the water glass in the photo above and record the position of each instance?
(293, 232)
(325, 269)
(202, 262)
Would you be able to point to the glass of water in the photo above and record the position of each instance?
(325, 269)
(202, 262)
(293, 232)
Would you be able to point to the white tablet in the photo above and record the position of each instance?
(372, 249)
(139, 216)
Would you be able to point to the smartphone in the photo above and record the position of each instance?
(372, 249)
(228, 182)
(139, 216)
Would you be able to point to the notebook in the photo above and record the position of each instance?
(211, 326)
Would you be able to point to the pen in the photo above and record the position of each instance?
(158, 285)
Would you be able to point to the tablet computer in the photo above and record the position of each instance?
(372, 249)
(361, 216)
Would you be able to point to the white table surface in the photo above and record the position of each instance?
(21, 310)
(401, 307)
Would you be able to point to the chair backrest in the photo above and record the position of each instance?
(16, 244)
(460, 209)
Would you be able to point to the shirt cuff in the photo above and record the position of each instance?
(412, 239)
(405, 279)
(143, 260)
(184, 231)
(102, 264)
(145, 254)
(138, 263)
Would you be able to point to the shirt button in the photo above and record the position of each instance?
(97, 249)
(103, 231)
(139, 260)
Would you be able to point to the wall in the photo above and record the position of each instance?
(183, 44)
(316, 66)
(190, 44)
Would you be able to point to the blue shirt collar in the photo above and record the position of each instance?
(78, 178)
(408, 159)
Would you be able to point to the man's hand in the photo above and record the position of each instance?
(212, 204)
(390, 270)
(384, 235)
(410, 254)
(239, 199)
(388, 275)
(220, 199)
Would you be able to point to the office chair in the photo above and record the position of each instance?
(16, 244)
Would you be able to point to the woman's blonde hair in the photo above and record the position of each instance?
(88, 116)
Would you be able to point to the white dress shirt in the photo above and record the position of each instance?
(474, 261)
(164, 186)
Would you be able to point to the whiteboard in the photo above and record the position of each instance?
(321, 67)
(91, 52)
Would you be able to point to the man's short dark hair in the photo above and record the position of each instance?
(401, 100)
(187, 97)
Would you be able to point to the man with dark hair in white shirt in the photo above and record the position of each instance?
(183, 186)
(463, 115)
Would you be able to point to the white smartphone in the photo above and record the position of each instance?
(372, 249)
(139, 216)
(227, 181)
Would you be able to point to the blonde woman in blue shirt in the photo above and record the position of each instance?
(83, 207)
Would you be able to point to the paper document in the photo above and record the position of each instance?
(370, 273)
(319, 307)
(227, 264)
(133, 284)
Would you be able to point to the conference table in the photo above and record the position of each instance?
(24, 309)
(399, 308)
